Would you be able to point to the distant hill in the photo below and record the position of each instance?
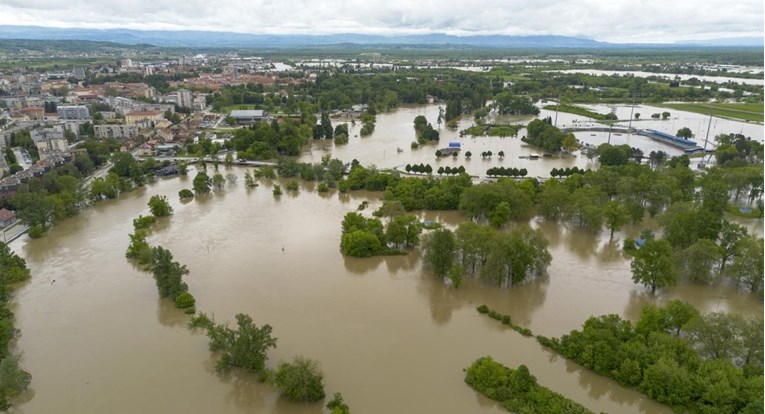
(188, 38)
(730, 41)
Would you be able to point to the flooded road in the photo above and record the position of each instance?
(97, 338)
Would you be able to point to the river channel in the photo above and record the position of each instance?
(389, 336)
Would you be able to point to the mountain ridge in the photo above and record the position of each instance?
(198, 38)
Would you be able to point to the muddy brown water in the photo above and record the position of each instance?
(390, 337)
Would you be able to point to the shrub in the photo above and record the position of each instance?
(185, 193)
(185, 301)
(292, 185)
(143, 222)
(323, 188)
(506, 320)
(300, 380)
(483, 309)
(36, 231)
(277, 190)
(159, 206)
(495, 315)
(523, 331)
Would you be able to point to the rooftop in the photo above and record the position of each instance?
(241, 113)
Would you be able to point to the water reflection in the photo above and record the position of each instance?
(361, 267)
(170, 316)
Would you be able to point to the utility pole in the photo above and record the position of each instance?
(708, 127)
(629, 128)
(556, 112)
(609, 132)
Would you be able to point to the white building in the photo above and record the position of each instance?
(248, 116)
(118, 131)
(184, 98)
(73, 112)
(49, 141)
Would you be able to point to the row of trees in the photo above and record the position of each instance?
(691, 362)
(13, 379)
(451, 170)
(565, 172)
(506, 172)
(419, 168)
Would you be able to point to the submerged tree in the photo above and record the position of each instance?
(652, 265)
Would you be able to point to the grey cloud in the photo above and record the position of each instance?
(616, 20)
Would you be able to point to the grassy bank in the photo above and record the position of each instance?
(746, 112)
(578, 110)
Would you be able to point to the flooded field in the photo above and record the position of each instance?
(681, 76)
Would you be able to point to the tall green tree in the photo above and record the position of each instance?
(515, 255)
(652, 265)
(160, 206)
(13, 268)
(34, 209)
(730, 235)
(615, 215)
(439, 247)
(697, 261)
(245, 347)
(168, 274)
(747, 265)
(202, 183)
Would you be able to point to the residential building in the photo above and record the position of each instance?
(7, 218)
(49, 141)
(118, 131)
(184, 98)
(73, 112)
(79, 73)
(132, 118)
(33, 112)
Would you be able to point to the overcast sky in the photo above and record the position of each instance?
(607, 20)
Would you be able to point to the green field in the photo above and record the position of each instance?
(746, 112)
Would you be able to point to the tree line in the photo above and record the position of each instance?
(13, 379)
(676, 356)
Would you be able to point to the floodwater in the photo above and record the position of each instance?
(390, 337)
(395, 131)
(98, 339)
(681, 76)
